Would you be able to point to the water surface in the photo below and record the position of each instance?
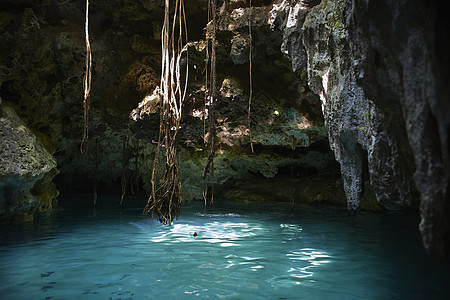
(241, 251)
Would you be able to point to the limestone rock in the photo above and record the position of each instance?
(42, 69)
(288, 17)
(402, 71)
(42, 75)
(385, 103)
(365, 144)
(26, 169)
(147, 106)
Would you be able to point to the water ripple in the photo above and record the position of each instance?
(224, 233)
(302, 267)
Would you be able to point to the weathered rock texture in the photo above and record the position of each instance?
(374, 72)
(42, 68)
(378, 68)
(26, 170)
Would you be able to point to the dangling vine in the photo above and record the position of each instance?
(134, 180)
(209, 167)
(293, 147)
(205, 140)
(96, 176)
(87, 84)
(206, 80)
(124, 176)
(165, 198)
(250, 73)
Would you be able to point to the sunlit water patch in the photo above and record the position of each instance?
(230, 251)
(224, 233)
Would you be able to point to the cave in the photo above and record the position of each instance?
(285, 149)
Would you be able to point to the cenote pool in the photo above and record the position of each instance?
(241, 251)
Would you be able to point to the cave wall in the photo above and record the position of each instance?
(42, 79)
(367, 77)
(379, 69)
(27, 169)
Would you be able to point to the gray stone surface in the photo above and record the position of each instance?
(376, 67)
(373, 71)
(42, 75)
(404, 54)
(24, 162)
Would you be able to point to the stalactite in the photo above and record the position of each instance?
(209, 167)
(165, 198)
(87, 85)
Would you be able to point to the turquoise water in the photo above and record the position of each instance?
(241, 251)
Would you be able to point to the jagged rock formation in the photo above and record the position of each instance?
(42, 73)
(368, 74)
(26, 170)
(375, 67)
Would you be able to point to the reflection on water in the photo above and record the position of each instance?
(240, 251)
(305, 260)
(301, 267)
(225, 233)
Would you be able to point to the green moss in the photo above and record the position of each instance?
(336, 18)
(331, 14)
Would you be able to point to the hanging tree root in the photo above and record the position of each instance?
(124, 176)
(87, 85)
(209, 167)
(206, 79)
(250, 74)
(293, 147)
(165, 198)
(206, 169)
(134, 180)
(96, 176)
(165, 201)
